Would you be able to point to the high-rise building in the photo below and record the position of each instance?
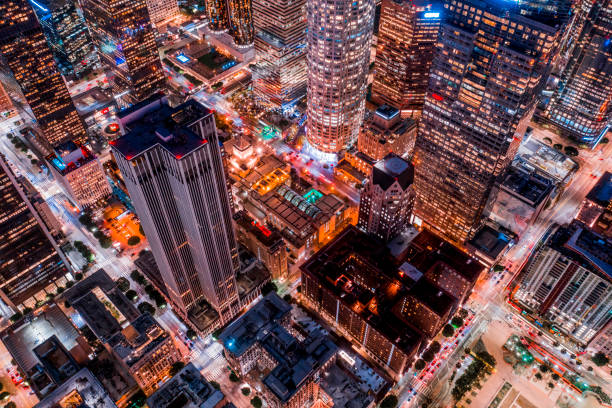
(121, 29)
(581, 106)
(338, 54)
(7, 108)
(172, 167)
(386, 132)
(24, 50)
(67, 35)
(241, 22)
(491, 63)
(568, 282)
(218, 15)
(161, 11)
(387, 199)
(407, 38)
(30, 260)
(279, 78)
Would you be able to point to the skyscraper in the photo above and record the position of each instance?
(161, 11)
(387, 199)
(121, 29)
(67, 36)
(491, 63)
(279, 78)
(406, 44)
(338, 52)
(241, 22)
(29, 257)
(25, 52)
(218, 15)
(581, 106)
(172, 167)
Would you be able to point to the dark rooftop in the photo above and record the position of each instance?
(601, 193)
(435, 298)
(387, 112)
(162, 126)
(69, 156)
(267, 235)
(390, 169)
(532, 187)
(489, 241)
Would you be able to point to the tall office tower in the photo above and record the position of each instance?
(29, 257)
(25, 52)
(161, 11)
(338, 53)
(218, 15)
(388, 198)
(121, 29)
(568, 281)
(67, 36)
(406, 43)
(241, 22)
(172, 167)
(279, 78)
(581, 105)
(491, 63)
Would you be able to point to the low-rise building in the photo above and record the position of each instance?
(146, 351)
(187, 389)
(263, 338)
(82, 390)
(80, 173)
(596, 208)
(602, 342)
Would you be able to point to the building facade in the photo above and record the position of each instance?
(386, 132)
(279, 78)
(568, 282)
(387, 200)
(581, 106)
(162, 11)
(477, 108)
(122, 32)
(406, 43)
(218, 15)
(172, 167)
(24, 50)
(338, 54)
(67, 35)
(80, 173)
(241, 22)
(31, 259)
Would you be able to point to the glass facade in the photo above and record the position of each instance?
(490, 64)
(279, 78)
(580, 106)
(29, 259)
(406, 43)
(338, 54)
(25, 52)
(67, 35)
(241, 22)
(121, 29)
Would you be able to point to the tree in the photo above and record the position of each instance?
(233, 377)
(448, 331)
(555, 376)
(544, 368)
(434, 347)
(256, 402)
(11, 404)
(16, 317)
(487, 358)
(4, 395)
(571, 151)
(600, 359)
(105, 242)
(27, 310)
(146, 307)
(457, 322)
(78, 276)
(551, 385)
(268, 287)
(245, 391)
(123, 284)
(133, 240)
(137, 277)
(215, 385)
(176, 367)
(390, 401)
(604, 140)
(419, 364)
(428, 356)
(287, 298)
(548, 140)
(558, 146)
(191, 334)
(132, 295)
(538, 376)
(498, 268)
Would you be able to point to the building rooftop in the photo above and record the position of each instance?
(157, 124)
(601, 193)
(138, 339)
(536, 155)
(530, 186)
(101, 305)
(57, 362)
(69, 156)
(82, 390)
(390, 169)
(586, 247)
(366, 278)
(490, 242)
(267, 235)
(187, 389)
